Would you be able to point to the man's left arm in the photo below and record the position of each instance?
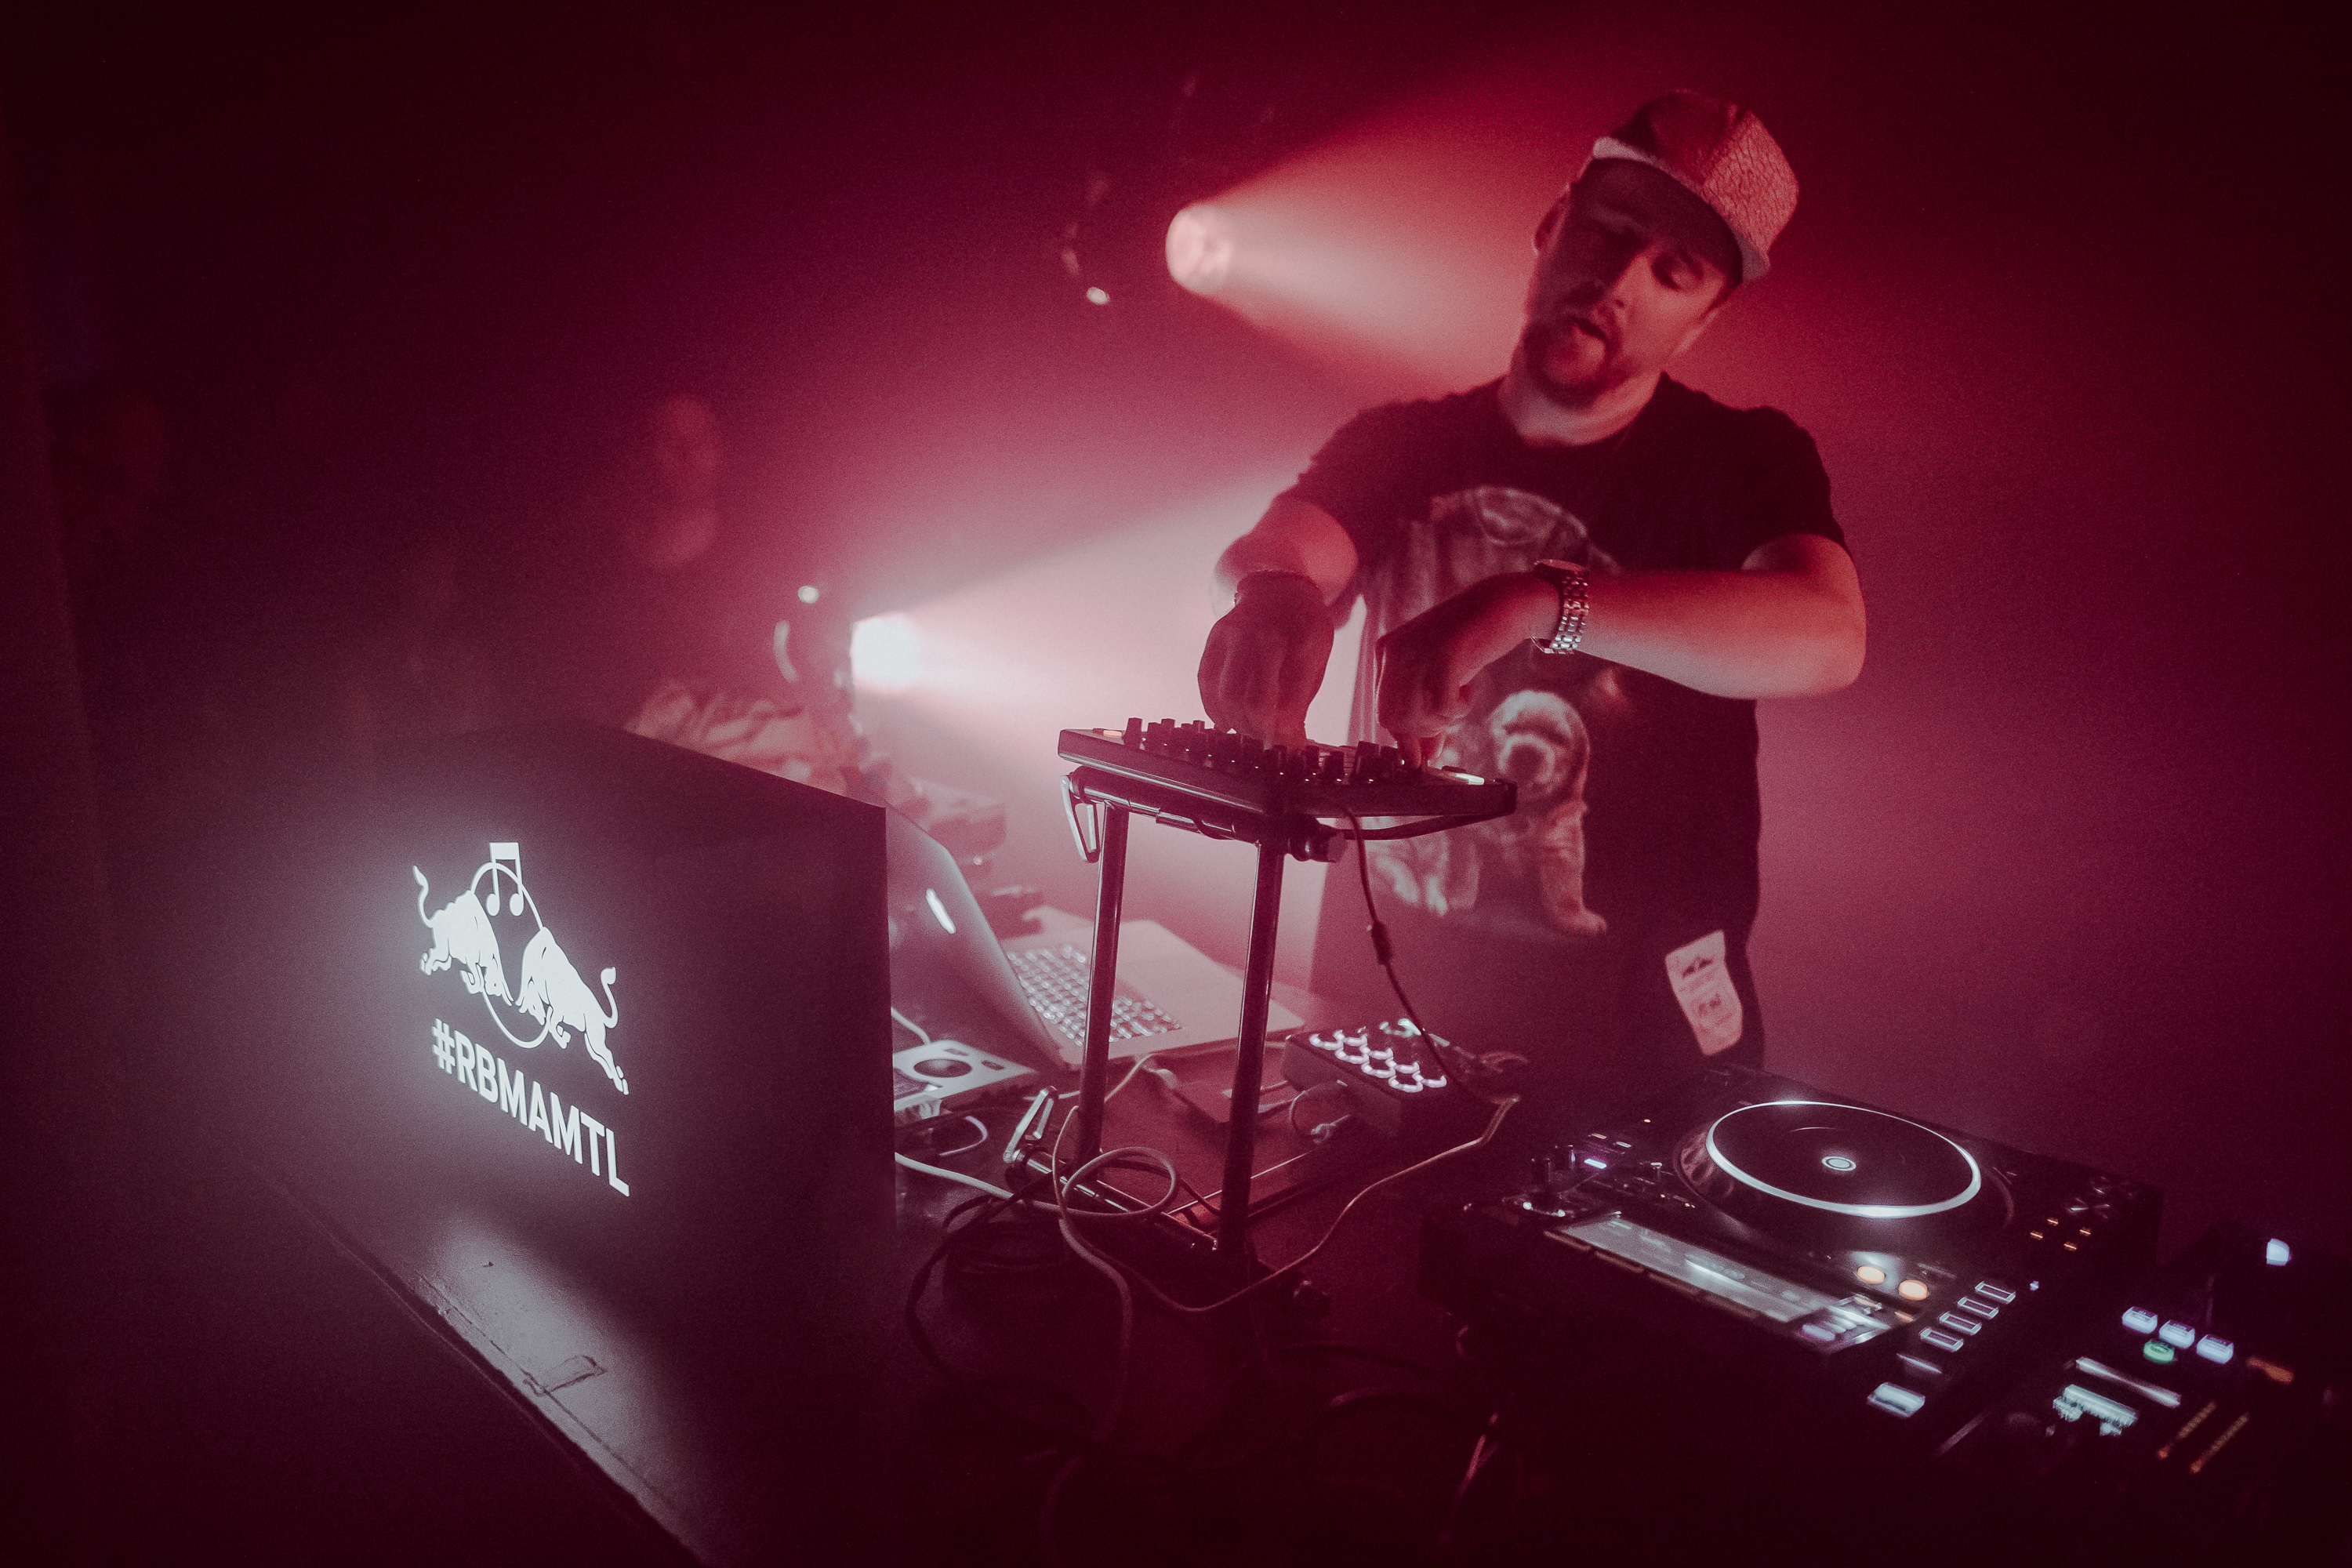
(1789, 623)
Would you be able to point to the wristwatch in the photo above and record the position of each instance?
(1570, 580)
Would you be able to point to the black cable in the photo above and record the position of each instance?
(1382, 949)
(983, 1211)
(922, 1280)
(1317, 1472)
(1482, 1452)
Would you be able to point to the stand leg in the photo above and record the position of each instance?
(1249, 1065)
(1094, 1070)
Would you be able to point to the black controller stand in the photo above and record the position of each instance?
(1101, 804)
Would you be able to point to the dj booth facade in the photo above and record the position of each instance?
(581, 1057)
(581, 1041)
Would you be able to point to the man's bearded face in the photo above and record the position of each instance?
(1631, 269)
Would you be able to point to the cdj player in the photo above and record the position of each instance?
(1822, 1262)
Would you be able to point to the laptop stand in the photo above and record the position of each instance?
(1227, 786)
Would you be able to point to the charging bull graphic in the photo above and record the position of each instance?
(547, 990)
(462, 936)
(553, 993)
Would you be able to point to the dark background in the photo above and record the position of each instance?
(2064, 305)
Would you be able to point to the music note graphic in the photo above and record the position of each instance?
(507, 858)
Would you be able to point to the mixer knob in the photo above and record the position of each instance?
(1133, 734)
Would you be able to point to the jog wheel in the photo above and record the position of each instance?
(1817, 1172)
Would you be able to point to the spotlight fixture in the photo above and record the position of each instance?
(886, 653)
(1200, 248)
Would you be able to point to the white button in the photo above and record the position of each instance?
(1895, 1397)
(2180, 1334)
(2140, 1321)
(1992, 1292)
(1981, 1309)
(1958, 1325)
(1919, 1368)
(1940, 1340)
(2216, 1350)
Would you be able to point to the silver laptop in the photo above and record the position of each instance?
(1170, 992)
(947, 963)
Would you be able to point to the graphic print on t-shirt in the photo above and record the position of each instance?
(1528, 720)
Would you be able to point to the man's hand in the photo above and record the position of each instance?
(1265, 660)
(1428, 663)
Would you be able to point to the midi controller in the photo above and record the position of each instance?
(1329, 781)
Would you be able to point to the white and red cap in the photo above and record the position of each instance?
(1722, 154)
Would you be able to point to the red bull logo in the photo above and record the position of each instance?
(548, 998)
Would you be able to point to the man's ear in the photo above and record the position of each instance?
(1551, 224)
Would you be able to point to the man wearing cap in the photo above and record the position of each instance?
(1579, 577)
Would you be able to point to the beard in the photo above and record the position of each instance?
(1575, 392)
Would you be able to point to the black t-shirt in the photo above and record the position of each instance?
(1602, 929)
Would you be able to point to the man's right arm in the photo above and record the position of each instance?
(1265, 660)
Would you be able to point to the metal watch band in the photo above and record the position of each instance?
(1570, 580)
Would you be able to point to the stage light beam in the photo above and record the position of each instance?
(886, 653)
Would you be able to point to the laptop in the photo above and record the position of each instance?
(1028, 997)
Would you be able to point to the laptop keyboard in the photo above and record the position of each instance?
(1054, 980)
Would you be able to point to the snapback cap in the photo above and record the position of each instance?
(1722, 154)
